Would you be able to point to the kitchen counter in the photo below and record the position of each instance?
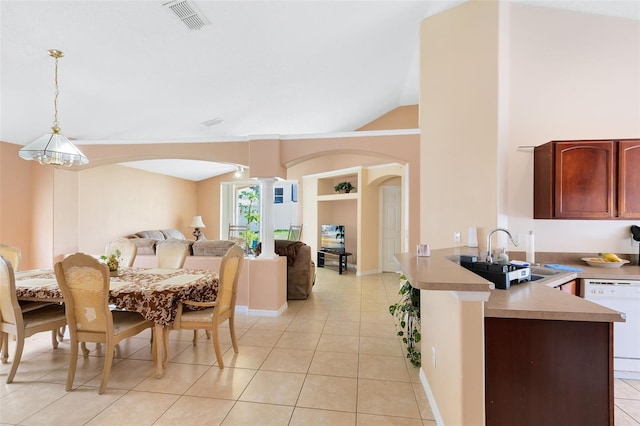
(532, 300)
(527, 348)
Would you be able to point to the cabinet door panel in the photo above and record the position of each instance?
(629, 178)
(571, 287)
(584, 179)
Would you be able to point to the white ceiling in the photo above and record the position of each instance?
(132, 72)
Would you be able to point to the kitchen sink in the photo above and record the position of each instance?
(501, 275)
(543, 271)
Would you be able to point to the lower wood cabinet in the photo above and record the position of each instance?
(544, 372)
(570, 287)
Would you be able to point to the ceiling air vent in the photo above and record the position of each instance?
(213, 122)
(187, 13)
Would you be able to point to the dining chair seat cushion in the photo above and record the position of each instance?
(202, 315)
(44, 315)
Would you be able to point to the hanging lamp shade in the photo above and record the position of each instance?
(54, 148)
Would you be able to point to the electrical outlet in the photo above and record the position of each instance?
(634, 243)
(433, 356)
(516, 238)
(456, 237)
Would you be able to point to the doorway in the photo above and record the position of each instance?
(390, 227)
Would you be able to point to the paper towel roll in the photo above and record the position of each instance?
(473, 237)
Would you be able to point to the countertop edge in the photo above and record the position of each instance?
(534, 300)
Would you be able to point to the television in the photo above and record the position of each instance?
(332, 238)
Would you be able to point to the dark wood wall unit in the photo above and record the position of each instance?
(542, 372)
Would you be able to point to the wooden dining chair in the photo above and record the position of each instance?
(12, 254)
(23, 324)
(171, 253)
(211, 314)
(128, 251)
(84, 282)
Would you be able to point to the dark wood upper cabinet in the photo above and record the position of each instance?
(588, 179)
(629, 178)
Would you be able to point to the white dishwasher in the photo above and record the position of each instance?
(622, 296)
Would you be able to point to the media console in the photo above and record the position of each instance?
(341, 256)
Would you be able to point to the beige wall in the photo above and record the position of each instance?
(460, 188)
(455, 378)
(15, 207)
(66, 222)
(579, 78)
(43, 192)
(114, 201)
(208, 204)
(458, 118)
(404, 117)
(523, 88)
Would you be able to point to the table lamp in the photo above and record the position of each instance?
(197, 223)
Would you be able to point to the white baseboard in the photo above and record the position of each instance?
(266, 313)
(370, 272)
(432, 400)
(243, 309)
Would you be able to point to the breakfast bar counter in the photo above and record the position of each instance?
(534, 300)
(541, 356)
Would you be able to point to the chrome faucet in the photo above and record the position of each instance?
(489, 256)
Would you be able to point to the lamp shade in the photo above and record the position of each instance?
(55, 149)
(197, 222)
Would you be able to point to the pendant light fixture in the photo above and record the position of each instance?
(54, 148)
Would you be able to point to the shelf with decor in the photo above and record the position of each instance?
(338, 197)
(331, 185)
(324, 205)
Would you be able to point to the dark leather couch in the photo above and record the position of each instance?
(301, 271)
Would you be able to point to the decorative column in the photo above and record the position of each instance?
(266, 218)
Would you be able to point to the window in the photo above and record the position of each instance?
(294, 192)
(278, 195)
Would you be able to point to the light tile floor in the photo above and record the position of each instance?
(333, 359)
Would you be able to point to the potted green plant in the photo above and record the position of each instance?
(407, 311)
(113, 262)
(344, 187)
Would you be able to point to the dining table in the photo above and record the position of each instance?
(154, 293)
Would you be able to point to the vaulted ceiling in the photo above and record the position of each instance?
(133, 72)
